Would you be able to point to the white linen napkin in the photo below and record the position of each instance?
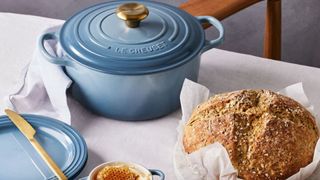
(43, 87)
(212, 162)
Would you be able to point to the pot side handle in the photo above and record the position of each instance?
(217, 24)
(155, 172)
(49, 57)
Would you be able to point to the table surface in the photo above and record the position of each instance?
(149, 143)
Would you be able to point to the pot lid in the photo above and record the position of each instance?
(132, 37)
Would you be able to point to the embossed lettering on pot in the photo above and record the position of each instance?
(143, 50)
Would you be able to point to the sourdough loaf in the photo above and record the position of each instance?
(267, 135)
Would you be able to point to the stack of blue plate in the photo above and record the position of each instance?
(19, 160)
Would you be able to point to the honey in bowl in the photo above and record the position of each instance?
(121, 172)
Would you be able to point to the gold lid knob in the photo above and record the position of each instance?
(132, 13)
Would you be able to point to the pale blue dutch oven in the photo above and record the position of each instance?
(126, 69)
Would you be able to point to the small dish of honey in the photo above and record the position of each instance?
(123, 171)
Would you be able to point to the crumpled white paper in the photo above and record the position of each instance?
(212, 162)
(43, 87)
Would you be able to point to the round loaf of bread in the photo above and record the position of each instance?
(267, 135)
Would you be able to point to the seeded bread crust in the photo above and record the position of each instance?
(267, 135)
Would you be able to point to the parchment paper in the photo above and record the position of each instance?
(212, 162)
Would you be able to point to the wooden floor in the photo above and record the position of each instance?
(244, 31)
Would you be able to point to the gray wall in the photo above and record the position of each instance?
(244, 30)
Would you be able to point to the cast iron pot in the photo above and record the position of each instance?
(128, 60)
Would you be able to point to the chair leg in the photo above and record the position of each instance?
(272, 38)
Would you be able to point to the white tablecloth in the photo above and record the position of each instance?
(149, 143)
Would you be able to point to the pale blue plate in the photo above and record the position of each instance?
(19, 160)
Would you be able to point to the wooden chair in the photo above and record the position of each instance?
(221, 9)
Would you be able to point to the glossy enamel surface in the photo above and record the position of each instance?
(131, 97)
(130, 73)
(96, 37)
(19, 160)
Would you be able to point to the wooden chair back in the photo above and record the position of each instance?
(221, 9)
